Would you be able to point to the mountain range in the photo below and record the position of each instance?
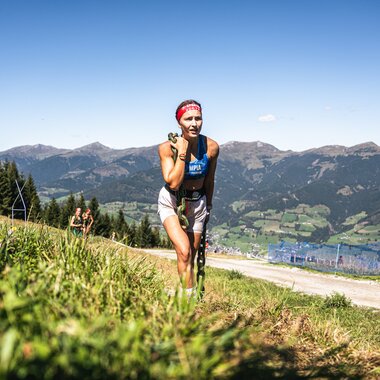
(251, 178)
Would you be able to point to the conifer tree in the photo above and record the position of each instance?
(13, 176)
(156, 238)
(5, 191)
(32, 200)
(94, 207)
(81, 202)
(131, 234)
(144, 236)
(11, 196)
(52, 213)
(121, 225)
(104, 225)
(67, 211)
(166, 243)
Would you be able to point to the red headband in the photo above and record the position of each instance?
(188, 107)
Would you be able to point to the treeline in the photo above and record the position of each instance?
(59, 214)
(9, 194)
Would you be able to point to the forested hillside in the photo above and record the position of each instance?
(257, 187)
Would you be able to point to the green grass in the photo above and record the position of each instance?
(90, 310)
(270, 223)
(306, 228)
(297, 224)
(264, 239)
(254, 214)
(74, 311)
(133, 211)
(358, 235)
(288, 217)
(351, 220)
(325, 322)
(320, 210)
(260, 223)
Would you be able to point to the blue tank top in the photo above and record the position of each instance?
(198, 168)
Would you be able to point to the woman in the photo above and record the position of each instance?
(88, 221)
(194, 169)
(76, 223)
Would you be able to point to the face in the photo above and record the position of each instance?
(78, 211)
(191, 123)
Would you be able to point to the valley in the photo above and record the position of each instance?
(262, 194)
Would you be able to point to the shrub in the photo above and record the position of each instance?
(337, 300)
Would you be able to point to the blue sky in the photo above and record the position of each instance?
(294, 74)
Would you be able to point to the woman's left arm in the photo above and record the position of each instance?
(213, 152)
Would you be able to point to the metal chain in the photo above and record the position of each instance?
(181, 193)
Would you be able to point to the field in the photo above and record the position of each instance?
(271, 226)
(359, 233)
(291, 225)
(263, 227)
(133, 211)
(94, 310)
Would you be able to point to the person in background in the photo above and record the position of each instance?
(188, 165)
(88, 221)
(76, 223)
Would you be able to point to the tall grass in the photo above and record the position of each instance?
(327, 330)
(88, 310)
(71, 311)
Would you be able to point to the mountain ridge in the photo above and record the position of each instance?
(97, 145)
(251, 177)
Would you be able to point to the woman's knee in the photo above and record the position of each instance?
(184, 253)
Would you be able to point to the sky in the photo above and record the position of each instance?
(291, 73)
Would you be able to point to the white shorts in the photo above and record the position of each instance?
(195, 210)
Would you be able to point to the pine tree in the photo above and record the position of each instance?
(52, 213)
(156, 238)
(81, 202)
(32, 201)
(13, 199)
(67, 211)
(144, 236)
(131, 233)
(10, 195)
(94, 207)
(5, 191)
(104, 225)
(121, 225)
(165, 242)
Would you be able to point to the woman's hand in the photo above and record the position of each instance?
(181, 145)
(207, 216)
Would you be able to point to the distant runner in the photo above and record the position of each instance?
(76, 223)
(188, 164)
(88, 221)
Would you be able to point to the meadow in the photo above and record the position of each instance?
(292, 225)
(75, 309)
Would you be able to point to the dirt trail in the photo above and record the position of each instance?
(361, 292)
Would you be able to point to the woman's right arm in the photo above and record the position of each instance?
(173, 173)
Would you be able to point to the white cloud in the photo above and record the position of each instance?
(267, 118)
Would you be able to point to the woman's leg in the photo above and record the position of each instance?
(195, 240)
(185, 245)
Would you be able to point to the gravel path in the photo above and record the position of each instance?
(361, 292)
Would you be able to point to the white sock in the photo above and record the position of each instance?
(190, 291)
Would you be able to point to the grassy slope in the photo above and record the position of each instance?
(95, 310)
